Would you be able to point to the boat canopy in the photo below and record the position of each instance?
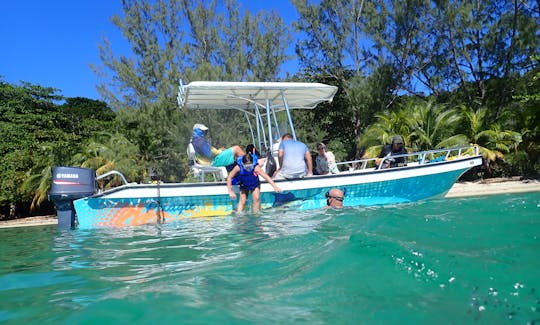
(248, 96)
(260, 101)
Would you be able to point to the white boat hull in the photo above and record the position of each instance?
(137, 204)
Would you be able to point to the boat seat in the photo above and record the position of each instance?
(200, 170)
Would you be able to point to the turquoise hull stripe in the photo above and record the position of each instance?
(99, 211)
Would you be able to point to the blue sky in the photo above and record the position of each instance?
(52, 43)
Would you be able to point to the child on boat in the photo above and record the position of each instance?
(247, 173)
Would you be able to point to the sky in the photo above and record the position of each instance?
(53, 43)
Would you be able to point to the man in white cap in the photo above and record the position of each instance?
(397, 147)
(206, 154)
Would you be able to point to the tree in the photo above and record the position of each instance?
(336, 50)
(493, 140)
(179, 39)
(526, 114)
(424, 125)
(28, 119)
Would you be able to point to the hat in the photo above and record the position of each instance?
(397, 139)
(200, 126)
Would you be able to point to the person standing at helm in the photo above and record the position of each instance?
(397, 147)
(207, 154)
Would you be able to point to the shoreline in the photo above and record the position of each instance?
(493, 187)
(463, 189)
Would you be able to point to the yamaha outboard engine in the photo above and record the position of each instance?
(69, 184)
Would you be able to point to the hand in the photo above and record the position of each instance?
(277, 189)
(232, 195)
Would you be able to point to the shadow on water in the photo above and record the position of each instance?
(461, 260)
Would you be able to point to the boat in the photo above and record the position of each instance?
(267, 107)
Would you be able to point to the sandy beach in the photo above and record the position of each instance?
(493, 186)
(465, 189)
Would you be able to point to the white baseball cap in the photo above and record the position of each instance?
(200, 126)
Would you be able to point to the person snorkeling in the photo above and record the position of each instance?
(334, 198)
(246, 172)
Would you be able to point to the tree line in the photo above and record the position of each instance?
(440, 73)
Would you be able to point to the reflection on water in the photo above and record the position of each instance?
(463, 260)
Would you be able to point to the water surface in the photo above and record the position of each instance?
(468, 260)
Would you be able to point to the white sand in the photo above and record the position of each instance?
(501, 187)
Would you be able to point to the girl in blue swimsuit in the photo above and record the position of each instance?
(247, 173)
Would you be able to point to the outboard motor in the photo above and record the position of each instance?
(69, 184)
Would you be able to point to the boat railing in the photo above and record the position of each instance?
(420, 158)
(111, 173)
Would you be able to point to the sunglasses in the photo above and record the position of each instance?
(320, 148)
(339, 198)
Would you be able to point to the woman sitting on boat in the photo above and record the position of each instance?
(247, 172)
(206, 154)
(326, 161)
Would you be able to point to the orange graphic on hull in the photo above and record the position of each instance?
(128, 215)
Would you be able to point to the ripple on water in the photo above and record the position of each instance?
(461, 260)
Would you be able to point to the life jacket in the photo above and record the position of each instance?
(247, 178)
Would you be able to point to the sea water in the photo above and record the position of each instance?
(451, 261)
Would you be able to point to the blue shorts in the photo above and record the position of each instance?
(225, 158)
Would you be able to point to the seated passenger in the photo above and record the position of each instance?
(325, 161)
(294, 159)
(246, 173)
(207, 154)
(397, 147)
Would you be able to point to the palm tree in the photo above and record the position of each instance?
(423, 125)
(381, 132)
(105, 152)
(37, 180)
(434, 126)
(492, 140)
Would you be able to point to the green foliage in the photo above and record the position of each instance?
(172, 40)
(477, 62)
(423, 125)
(37, 133)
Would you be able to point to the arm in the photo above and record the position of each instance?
(233, 173)
(264, 175)
(383, 154)
(280, 155)
(309, 163)
(332, 166)
(331, 158)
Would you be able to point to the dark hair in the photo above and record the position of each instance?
(248, 159)
(249, 149)
(286, 135)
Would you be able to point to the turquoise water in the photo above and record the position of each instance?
(469, 260)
